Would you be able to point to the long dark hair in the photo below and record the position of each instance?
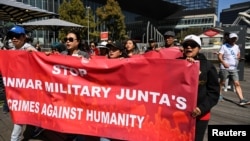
(135, 50)
(78, 37)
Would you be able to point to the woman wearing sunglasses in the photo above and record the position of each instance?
(208, 88)
(73, 45)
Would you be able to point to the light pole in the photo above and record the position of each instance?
(88, 7)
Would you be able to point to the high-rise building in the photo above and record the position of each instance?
(229, 15)
(196, 4)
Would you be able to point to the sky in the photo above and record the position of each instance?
(223, 4)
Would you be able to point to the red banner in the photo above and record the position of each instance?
(145, 98)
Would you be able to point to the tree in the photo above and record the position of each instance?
(74, 11)
(183, 33)
(112, 17)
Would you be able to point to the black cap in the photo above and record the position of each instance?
(151, 40)
(116, 45)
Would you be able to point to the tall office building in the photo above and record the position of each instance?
(229, 15)
(196, 14)
(196, 4)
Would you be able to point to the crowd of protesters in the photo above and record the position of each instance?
(208, 91)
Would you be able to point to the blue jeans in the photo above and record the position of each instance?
(16, 134)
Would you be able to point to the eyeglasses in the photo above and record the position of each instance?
(191, 44)
(69, 39)
(17, 36)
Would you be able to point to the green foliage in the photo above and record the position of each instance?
(188, 31)
(72, 11)
(111, 15)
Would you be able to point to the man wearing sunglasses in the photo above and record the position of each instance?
(208, 88)
(18, 37)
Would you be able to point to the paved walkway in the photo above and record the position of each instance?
(224, 113)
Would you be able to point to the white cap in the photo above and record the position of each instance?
(104, 43)
(193, 38)
(233, 35)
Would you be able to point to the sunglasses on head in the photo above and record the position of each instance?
(13, 35)
(191, 44)
(69, 39)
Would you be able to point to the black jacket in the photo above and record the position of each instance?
(209, 88)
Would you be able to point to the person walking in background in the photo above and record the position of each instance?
(228, 56)
(131, 47)
(208, 88)
(18, 37)
(225, 41)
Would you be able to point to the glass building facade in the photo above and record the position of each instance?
(136, 24)
(196, 4)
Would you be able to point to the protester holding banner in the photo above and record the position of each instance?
(169, 37)
(208, 89)
(18, 36)
(131, 47)
(116, 50)
(103, 50)
(2, 89)
(152, 45)
(73, 45)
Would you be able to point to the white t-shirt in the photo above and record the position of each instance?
(25, 46)
(229, 55)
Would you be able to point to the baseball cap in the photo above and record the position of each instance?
(169, 33)
(104, 43)
(233, 35)
(17, 30)
(116, 45)
(193, 38)
(151, 40)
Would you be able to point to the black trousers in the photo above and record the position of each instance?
(201, 126)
